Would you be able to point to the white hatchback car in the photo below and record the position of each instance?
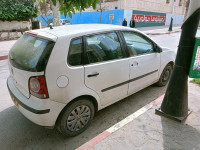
(62, 76)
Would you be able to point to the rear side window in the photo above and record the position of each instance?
(103, 47)
(76, 52)
(31, 53)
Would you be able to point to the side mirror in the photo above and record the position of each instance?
(158, 49)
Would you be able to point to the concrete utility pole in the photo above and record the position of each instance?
(175, 103)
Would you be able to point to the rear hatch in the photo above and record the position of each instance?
(28, 57)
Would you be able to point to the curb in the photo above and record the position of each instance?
(119, 125)
(3, 57)
(163, 33)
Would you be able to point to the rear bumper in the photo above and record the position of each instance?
(43, 112)
(35, 111)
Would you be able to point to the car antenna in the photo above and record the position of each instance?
(51, 25)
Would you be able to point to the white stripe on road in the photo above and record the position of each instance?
(129, 118)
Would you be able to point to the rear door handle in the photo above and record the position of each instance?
(93, 75)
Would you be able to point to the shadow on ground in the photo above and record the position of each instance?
(179, 136)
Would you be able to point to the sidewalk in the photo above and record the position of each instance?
(5, 46)
(145, 130)
(163, 31)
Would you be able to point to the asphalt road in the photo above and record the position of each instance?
(18, 133)
(170, 40)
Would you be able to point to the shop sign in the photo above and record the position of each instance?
(149, 18)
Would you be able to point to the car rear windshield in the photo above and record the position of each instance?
(31, 53)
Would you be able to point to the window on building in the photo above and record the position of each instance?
(76, 52)
(137, 44)
(180, 2)
(167, 1)
(103, 47)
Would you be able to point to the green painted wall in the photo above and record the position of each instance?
(147, 24)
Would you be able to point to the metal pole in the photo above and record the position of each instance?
(175, 103)
(171, 22)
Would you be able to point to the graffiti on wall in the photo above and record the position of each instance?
(149, 18)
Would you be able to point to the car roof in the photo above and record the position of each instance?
(81, 29)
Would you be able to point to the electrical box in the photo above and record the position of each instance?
(195, 64)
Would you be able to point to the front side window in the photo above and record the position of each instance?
(103, 47)
(76, 52)
(137, 44)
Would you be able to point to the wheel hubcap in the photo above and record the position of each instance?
(166, 75)
(78, 118)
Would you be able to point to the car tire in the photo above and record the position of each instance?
(76, 117)
(165, 76)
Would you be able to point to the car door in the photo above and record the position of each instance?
(144, 61)
(106, 71)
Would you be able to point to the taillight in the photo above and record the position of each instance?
(38, 87)
(63, 23)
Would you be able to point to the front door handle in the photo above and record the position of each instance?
(93, 75)
(134, 64)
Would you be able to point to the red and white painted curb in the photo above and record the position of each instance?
(162, 33)
(120, 124)
(3, 57)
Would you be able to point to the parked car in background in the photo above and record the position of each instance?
(62, 76)
(65, 22)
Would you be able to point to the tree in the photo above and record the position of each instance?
(45, 9)
(102, 6)
(20, 10)
(67, 7)
(56, 13)
(100, 1)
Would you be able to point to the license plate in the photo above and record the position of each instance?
(15, 102)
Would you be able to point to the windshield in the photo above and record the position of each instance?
(31, 53)
(66, 21)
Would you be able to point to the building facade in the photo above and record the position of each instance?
(144, 12)
(160, 6)
(141, 9)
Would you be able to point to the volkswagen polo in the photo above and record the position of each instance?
(60, 77)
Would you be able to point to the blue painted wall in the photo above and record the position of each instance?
(42, 18)
(177, 19)
(90, 17)
(119, 15)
